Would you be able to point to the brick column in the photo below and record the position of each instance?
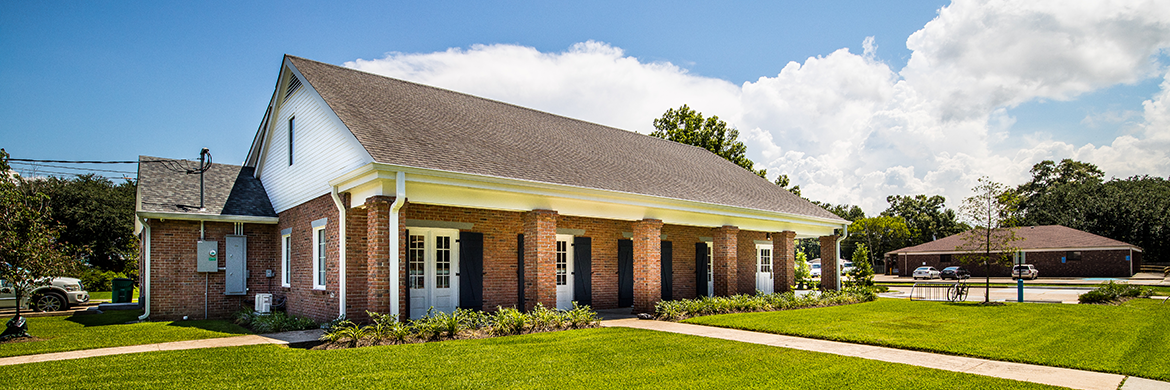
(647, 265)
(783, 261)
(725, 260)
(378, 253)
(355, 260)
(540, 259)
(829, 272)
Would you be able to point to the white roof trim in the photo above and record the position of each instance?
(208, 217)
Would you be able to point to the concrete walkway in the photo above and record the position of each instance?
(284, 338)
(1076, 379)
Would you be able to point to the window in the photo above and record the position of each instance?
(1074, 256)
(944, 258)
(562, 263)
(319, 258)
(442, 262)
(286, 260)
(416, 260)
(765, 260)
(291, 127)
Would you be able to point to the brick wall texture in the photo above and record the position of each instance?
(368, 257)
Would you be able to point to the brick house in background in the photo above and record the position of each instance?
(371, 193)
(1055, 250)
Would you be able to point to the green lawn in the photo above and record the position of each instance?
(590, 358)
(109, 329)
(1131, 339)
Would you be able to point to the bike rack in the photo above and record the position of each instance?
(939, 291)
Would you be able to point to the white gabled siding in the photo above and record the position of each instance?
(323, 149)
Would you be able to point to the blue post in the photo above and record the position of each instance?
(1020, 289)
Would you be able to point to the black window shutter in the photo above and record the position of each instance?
(405, 286)
(471, 270)
(625, 273)
(520, 272)
(700, 269)
(583, 270)
(667, 271)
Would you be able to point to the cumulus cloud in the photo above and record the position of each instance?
(847, 127)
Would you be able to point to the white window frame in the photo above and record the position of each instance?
(319, 259)
(286, 259)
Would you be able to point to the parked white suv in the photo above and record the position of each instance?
(1025, 271)
(59, 294)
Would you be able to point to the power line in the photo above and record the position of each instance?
(80, 169)
(76, 161)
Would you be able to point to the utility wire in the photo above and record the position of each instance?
(77, 162)
(64, 167)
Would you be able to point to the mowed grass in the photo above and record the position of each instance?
(110, 329)
(1131, 339)
(107, 295)
(606, 358)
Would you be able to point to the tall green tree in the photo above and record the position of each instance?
(31, 253)
(926, 216)
(881, 233)
(687, 126)
(992, 240)
(1059, 194)
(95, 213)
(783, 181)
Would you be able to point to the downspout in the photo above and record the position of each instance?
(146, 275)
(844, 228)
(341, 209)
(399, 199)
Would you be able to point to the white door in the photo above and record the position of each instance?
(764, 269)
(564, 272)
(432, 257)
(710, 270)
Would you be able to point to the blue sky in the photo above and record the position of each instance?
(111, 81)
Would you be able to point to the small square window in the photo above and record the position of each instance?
(944, 258)
(1074, 256)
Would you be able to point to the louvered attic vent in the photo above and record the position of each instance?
(292, 86)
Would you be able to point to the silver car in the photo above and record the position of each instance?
(926, 272)
(59, 294)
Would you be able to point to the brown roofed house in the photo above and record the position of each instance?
(1055, 251)
(362, 192)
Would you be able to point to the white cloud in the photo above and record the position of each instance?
(847, 127)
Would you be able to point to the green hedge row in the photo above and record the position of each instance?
(686, 308)
(461, 323)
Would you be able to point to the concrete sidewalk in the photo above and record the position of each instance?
(283, 338)
(1076, 379)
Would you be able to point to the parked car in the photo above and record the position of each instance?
(955, 273)
(1025, 271)
(846, 267)
(816, 269)
(925, 272)
(59, 294)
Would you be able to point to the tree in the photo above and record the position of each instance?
(97, 214)
(881, 233)
(1059, 194)
(926, 217)
(862, 273)
(783, 182)
(802, 272)
(991, 240)
(30, 251)
(687, 126)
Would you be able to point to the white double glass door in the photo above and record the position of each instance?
(564, 271)
(432, 268)
(764, 278)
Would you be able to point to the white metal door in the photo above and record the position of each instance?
(564, 272)
(710, 270)
(764, 269)
(432, 268)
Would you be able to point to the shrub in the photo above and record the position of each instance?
(508, 321)
(97, 280)
(272, 322)
(1114, 293)
(686, 308)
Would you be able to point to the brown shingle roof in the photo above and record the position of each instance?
(404, 123)
(228, 190)
(1034, 237)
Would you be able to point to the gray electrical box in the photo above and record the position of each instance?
(236, 261)
(207, 259)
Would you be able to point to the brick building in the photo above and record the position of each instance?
(1055, 250)
(371, 193)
